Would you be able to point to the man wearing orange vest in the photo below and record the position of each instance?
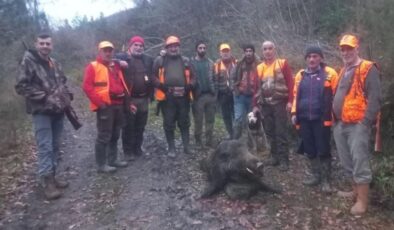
(106, 89)
(356, 105)
(174, 80)
(274, 98)
(221, 78)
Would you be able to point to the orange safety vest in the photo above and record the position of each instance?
(355, 102)
(101, 83)
(159, 94)
(273, 81)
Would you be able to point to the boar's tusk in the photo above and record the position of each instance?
(247, 169)
(259, 164)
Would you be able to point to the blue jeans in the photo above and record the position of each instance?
(47, 130)
(242, 106)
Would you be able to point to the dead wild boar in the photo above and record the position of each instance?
(233, 168)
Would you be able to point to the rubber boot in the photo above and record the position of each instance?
(361, 205)
(113, 160)
(313, 166)
(325, 175)
(171, 143)
(185, 141)
(59, 183)
(198, 141)
(48, 186)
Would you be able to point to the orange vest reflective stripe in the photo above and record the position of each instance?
(160, 95)
(101, 83)
(355, 102)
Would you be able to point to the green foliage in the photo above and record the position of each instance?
(17, 23)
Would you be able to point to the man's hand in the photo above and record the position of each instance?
(123, 64)
(288, 107)
(133, 109)
(293, 119)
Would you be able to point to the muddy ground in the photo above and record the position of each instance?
(157, 192)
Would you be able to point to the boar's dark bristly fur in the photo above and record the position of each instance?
(232, 163)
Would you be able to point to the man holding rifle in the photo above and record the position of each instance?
(42, 82)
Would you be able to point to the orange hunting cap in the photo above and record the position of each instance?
(224, 46)
(349, 40)
(172, 40)
(105, 44)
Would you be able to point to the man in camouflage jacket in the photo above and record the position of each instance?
(42, 83)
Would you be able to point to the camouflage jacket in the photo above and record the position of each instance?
(44, 88)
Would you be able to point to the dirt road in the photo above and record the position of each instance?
(157, 192)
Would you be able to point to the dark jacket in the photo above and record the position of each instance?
(43, 84)
(237, 73)
(161, 62)
(314, 101)
(130, 73)
(204, 79)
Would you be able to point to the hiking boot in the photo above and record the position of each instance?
(361, 205)
(118, 164)
(49, 188)
(106, 169)
(313, 166)
(59, 183)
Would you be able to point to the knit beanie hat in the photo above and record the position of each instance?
(136, 39)
(313, 50)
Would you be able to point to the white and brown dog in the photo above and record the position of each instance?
(258, 139)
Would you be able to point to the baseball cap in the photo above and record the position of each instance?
(105, 44)
(224, 46)
(349, 40)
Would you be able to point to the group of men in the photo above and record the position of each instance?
(121, 86)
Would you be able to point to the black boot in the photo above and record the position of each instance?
(171, 143)
(185, 141)
(113, 160)
(100, 151)
(325, 175)
(313, 168)
(198, 141)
